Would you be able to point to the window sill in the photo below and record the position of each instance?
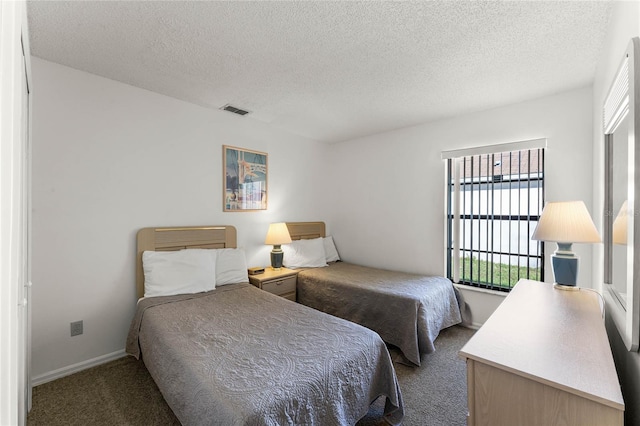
(481, 290)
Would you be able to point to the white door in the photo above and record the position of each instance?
(24, 358)
(15, 214)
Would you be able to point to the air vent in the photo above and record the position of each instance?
(234, 110)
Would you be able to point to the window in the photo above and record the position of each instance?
(493, 205)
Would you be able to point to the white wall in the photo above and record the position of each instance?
(109, 159)
(624, 24)
(389, 189)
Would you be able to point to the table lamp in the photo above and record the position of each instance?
(565, 223)
(277, 235)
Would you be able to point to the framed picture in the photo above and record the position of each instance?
(245, 179)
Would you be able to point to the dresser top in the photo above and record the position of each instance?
(551, 336)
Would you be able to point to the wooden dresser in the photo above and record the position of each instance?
(543, 358)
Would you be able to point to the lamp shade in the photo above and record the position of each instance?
(620, 225)
(566, 222)
(277, 234)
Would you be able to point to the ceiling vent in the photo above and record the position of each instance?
(234, 110)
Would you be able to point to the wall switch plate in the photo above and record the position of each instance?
(76, 328)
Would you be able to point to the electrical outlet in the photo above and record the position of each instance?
(76, 328)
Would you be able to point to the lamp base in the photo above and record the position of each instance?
(277, 255)
(565, 265)
(566, 287)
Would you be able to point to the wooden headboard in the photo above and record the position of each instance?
(179, 238)
(306, 230)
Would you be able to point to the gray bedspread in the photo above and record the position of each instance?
(238, 355)
(406, 310)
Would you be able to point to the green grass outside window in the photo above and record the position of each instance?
(504, 275)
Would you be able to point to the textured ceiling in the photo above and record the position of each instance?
(331, 70)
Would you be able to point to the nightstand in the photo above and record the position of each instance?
(281, 282)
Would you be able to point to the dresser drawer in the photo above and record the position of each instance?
(280, 286)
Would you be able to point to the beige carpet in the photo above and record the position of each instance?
(121, 392)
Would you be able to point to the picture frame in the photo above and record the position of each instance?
(244, 179)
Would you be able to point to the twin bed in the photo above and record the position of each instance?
(237, 355)
(406, 310)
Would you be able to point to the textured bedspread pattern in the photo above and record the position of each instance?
(240, 356)
(406, 310)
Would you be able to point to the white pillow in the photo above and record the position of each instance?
(231, 266)
(304, 254)
(178, 272)
(330, 252)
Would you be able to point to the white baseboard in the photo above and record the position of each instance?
(71, 369)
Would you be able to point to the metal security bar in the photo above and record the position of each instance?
(494, 203)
